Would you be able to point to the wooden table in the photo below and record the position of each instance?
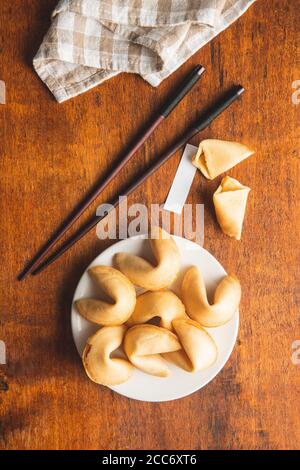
(51, 154)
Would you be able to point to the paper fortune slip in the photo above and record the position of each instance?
(182, 182)
(2, 92)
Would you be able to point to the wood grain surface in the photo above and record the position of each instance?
(51, 154)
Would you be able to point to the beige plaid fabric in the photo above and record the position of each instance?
(90, 41)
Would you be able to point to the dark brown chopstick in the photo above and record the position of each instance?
(180, 93)
(203, 121)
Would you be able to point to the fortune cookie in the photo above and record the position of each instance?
(230, 200)
(163, 304)
(144, 274)
(225, 301)
(217, 156)
(144, 345)
(98, 364)
(199, 351)
(118, 288)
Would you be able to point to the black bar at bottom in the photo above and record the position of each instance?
(137, 458)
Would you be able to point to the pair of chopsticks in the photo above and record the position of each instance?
(38, 264)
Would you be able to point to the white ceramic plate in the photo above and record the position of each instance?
(146, 387)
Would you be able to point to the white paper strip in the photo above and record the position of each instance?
(182, 182)
(2, 92)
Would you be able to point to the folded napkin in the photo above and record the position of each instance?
(90, 41)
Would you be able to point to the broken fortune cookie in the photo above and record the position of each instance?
(230, 200)
(217, 156)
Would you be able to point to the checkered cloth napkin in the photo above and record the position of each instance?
(90, 41)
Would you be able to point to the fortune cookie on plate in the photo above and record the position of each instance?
(226, 298)
(118, 288)
(217, 156)
(144, 345)
(230, 200)
(163, 304)
(199, 351)
(98, 364)
(144, 274)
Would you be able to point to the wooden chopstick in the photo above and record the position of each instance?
(180, 93)
(202, 122)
